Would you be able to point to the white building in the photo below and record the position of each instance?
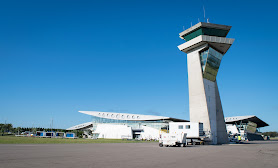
(112, 125)
(124, 126)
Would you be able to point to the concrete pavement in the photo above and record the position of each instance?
(254, 155)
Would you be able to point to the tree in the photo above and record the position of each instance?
(6, 128)
(17, 130)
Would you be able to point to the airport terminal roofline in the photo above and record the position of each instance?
(245, 119)
(81, 126)
(205, 25)
(129, 117)
(228, 120)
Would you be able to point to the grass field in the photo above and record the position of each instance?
(274, 138)
(33, 140)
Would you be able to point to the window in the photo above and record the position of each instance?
(210, 62)
(187, 127)
(180, 126)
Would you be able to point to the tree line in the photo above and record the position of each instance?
(8, 128)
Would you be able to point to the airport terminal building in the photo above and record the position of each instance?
(124, 126)
(113, 125)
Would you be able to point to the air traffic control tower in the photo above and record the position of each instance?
(205, 45)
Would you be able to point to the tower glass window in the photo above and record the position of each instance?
(206, 31)
(210, 62)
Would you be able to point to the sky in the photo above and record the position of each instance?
(61, 57)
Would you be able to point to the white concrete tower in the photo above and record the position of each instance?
(205, 45)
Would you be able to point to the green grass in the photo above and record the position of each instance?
(273, 138)
(34, 140)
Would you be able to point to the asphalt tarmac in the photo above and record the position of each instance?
(258, 154)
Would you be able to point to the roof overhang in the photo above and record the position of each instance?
(123, 116)
(221, 44)
(206, 25)
(81, 126)
(128, 116)
(245, 119)
(178, 120)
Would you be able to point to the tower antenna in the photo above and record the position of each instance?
(204, 13)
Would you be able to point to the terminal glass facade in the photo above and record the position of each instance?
(135, 124)
(210, 62)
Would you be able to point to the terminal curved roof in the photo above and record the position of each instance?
(81, 126)
(130, 117)
(245, 119)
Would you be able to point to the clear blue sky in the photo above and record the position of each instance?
(59, 57)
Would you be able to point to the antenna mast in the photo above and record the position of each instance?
(204, 13)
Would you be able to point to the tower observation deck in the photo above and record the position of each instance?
(205, 46)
